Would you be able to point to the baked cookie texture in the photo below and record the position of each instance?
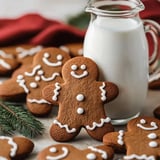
(69, 152)
(15, 148)
(81, 99)
(30, 80)
(140, 141)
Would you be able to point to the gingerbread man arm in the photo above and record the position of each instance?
(109, 91)
(52, 93)
(115, 140)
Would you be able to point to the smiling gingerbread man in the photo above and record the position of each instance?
(141, 141)
(81, 101)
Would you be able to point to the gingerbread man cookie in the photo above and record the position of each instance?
(81, 101)
(15, 148)
(141, 141)
(69, 152)
(45, 70)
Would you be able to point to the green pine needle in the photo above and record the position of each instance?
(15, 118)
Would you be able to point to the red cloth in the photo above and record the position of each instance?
(35, 29)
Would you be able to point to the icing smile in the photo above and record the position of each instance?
(78, 76)
(153, 125)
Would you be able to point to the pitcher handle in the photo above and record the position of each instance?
(153, 28)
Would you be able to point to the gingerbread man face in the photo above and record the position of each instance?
(81, 101)
(143, 132)
(68, 152)
(46, 69)
(12, 148)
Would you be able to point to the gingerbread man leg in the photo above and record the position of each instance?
(98, 132)
(62, 132)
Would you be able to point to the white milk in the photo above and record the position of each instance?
(119, 48)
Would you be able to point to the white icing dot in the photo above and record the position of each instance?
(20, 77)
(152, 136)
(74, 67)
(59, 57)
(80, 110)
(153, 144)
(91, 156)
(33, 85)
(40, 72)
(53, 150)
(80, 52)
(46, 55)
(80, 97)
(142, 121)
(83, 67)
(37, 78)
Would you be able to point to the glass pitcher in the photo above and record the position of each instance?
(116, 41)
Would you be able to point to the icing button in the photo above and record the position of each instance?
(153, 144)
(152, 136)
(80, 97)
(91, 156)
(80, 110)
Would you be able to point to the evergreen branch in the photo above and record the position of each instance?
(17, 118)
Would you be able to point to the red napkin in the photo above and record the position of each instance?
(35, 29)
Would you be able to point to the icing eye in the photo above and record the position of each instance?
(91, 156)
(83, 67)
(74, 67)
(46, 55)
(59, 57)
(153, 123)
(33, 85)
(40, 72)
(142, 121)
(53, 150)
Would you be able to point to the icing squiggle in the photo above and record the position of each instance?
(3, 158)
(94, 125)
(84, 74)
(120, 137)
(4, 64)
(65, 153)
(41, 101)
(35, 69)
(12, 143)
(103, 153)
(28, 52)
(54, 75)
(64, 126)
(143, 157)
(22, 82)
(4, 55)
(103, 92)
(56, 91)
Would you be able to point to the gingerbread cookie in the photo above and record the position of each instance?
(81, 101)
(45, 70)
(15, 148)
(141, 140)
(69, 152)
(12, 57)
(74, 49)
(8, 61)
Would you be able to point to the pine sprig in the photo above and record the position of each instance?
(15, 118)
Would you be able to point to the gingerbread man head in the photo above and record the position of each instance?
(68, 152)
(81, 99)
(15, 148)
(46, 69)
(141, 140)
